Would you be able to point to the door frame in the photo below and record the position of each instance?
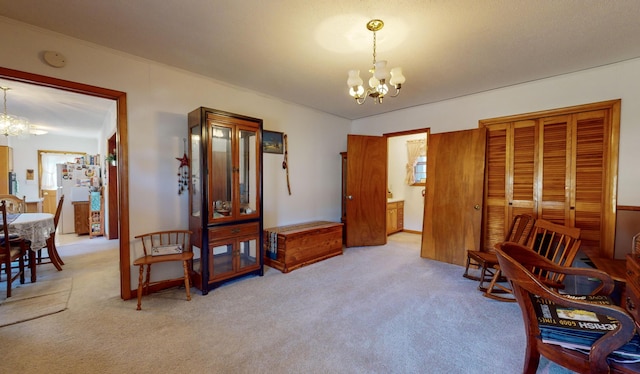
(122, 149)
(423, 130)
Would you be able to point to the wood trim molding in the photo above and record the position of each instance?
(122, 149)
(629, 207)
(609, 104)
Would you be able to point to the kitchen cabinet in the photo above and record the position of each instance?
(81, 217)
(395, 217)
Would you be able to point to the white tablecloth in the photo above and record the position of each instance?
(36, 227)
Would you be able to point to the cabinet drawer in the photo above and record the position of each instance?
(632, 302)
(224, 232)
(633, 273)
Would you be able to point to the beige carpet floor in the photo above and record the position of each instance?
(34, 300)
(372, 310)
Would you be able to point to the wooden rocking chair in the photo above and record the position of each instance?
(557, 243)
(487, 260)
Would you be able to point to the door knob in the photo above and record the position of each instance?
(349, 197)
(476, 207)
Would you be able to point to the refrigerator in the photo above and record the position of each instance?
(74, 182)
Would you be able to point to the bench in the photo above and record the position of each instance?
(290, 247)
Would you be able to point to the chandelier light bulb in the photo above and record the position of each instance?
(396, 77)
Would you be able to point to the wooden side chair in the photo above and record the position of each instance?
(163, 246)
(486, 260)
(52, 252)
(12, 248)
(520, 265)
(558, 243)
(14, 204)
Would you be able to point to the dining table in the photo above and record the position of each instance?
(34, 227)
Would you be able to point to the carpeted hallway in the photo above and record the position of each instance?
(373, 310)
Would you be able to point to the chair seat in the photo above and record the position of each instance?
(11, 237)
(149, 259)
(483, 256)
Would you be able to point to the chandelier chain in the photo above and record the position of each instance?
(5, 99)
(374, 48)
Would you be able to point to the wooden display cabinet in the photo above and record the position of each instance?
(225, 196)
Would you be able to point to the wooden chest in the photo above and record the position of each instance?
(290, 247)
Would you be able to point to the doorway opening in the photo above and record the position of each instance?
(121, 146)
(405, 197)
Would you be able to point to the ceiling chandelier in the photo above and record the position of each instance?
(378, 87)
(11, 125)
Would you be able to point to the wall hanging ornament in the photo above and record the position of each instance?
(183, 170)
(285, 165)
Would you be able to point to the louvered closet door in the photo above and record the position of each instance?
(561, 165)
(589, 173)
(555, 170)
(573, 184)
(510, 177)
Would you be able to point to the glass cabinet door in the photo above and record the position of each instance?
(232, 256)
(194, 163)
(247, 176)
(221, 259)
(247, 253)
(221, 172)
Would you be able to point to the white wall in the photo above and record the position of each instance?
(616, 81)
(158, 100)
(412, 195)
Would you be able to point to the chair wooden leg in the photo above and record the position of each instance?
(32, 264)
(140, 283)
(185, 265)
(52, 254)
(55, 250)
(466, 270)
(7, 269)
(494, 288)
(21, 266)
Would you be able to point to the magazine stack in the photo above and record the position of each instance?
(579, 329)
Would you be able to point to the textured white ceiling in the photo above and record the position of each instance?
(300, 50)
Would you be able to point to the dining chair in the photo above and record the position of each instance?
(558, 243)
(486, 260)
(12, 248)
(14, 204)
(519, 264)
(52, 252)
(163, 246)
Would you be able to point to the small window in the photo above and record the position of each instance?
(420, 171)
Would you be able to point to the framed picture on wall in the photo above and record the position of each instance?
(272, 142)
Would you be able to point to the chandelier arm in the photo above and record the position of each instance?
(361, 100)
(397, 88)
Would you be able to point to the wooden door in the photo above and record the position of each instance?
(588, 203)
(112, 210)
(453, 206)
(366, 201)
(509, 177)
